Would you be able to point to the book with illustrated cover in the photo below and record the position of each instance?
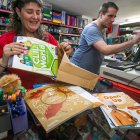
(121, 128)
(38, 57)
(120, 110)
(54, 104)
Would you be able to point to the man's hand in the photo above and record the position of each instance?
(137, 38)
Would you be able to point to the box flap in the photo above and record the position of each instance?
(73, 74)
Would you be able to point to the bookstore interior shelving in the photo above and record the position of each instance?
(54, 28)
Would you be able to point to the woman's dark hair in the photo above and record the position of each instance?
(15, 23)
(105, 6)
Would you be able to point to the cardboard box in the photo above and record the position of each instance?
(70, 73)
(67, 72)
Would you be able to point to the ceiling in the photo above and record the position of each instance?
(127, 8)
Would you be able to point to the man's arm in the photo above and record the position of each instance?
(111, 49)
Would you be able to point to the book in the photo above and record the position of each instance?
(54, 104)
(122, 129)
(120, 110)
(39, 57)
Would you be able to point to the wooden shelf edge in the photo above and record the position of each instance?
(3, 31)
(59, 24)
(69, 34)
(5, 11)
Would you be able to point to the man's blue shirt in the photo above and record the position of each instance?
(86, 56)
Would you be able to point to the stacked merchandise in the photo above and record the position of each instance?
(3, 20)
(4, 17)
(47, 12)
(120, 110)
(54, 29)
(73, 20)
(63, 17)
(56, 17)
(6, 4)
(119, 114)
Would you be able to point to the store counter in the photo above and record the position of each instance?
(129, 78)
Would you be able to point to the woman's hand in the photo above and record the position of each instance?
(67, 47)
(12, 49)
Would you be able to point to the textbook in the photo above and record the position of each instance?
(39, 56)
(122, 128)
(120, 109)
(54, 104)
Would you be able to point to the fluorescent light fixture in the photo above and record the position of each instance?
(131, 20)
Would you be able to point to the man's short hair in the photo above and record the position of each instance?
(105, 6)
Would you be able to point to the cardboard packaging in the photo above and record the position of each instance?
(67, 72)
(72, 74)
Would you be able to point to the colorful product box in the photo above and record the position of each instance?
(38, 57)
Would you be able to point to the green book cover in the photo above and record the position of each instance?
(39, 56)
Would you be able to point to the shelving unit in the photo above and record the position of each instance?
(44, 21)
(130, 28)
(59, 36)
(4, 14)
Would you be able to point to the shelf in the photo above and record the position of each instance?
(2, 24)
(64, 34)
(45, 21)
(58, 24)
(130, 24)
(3, 31)
(127, 31)
(5, 11)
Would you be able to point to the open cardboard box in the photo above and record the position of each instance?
(67, 72)
(70, 73)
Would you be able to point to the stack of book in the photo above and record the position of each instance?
(54, 104)
(120, 110)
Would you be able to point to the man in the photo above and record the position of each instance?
(92, 45)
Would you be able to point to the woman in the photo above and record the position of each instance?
(25, 21)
